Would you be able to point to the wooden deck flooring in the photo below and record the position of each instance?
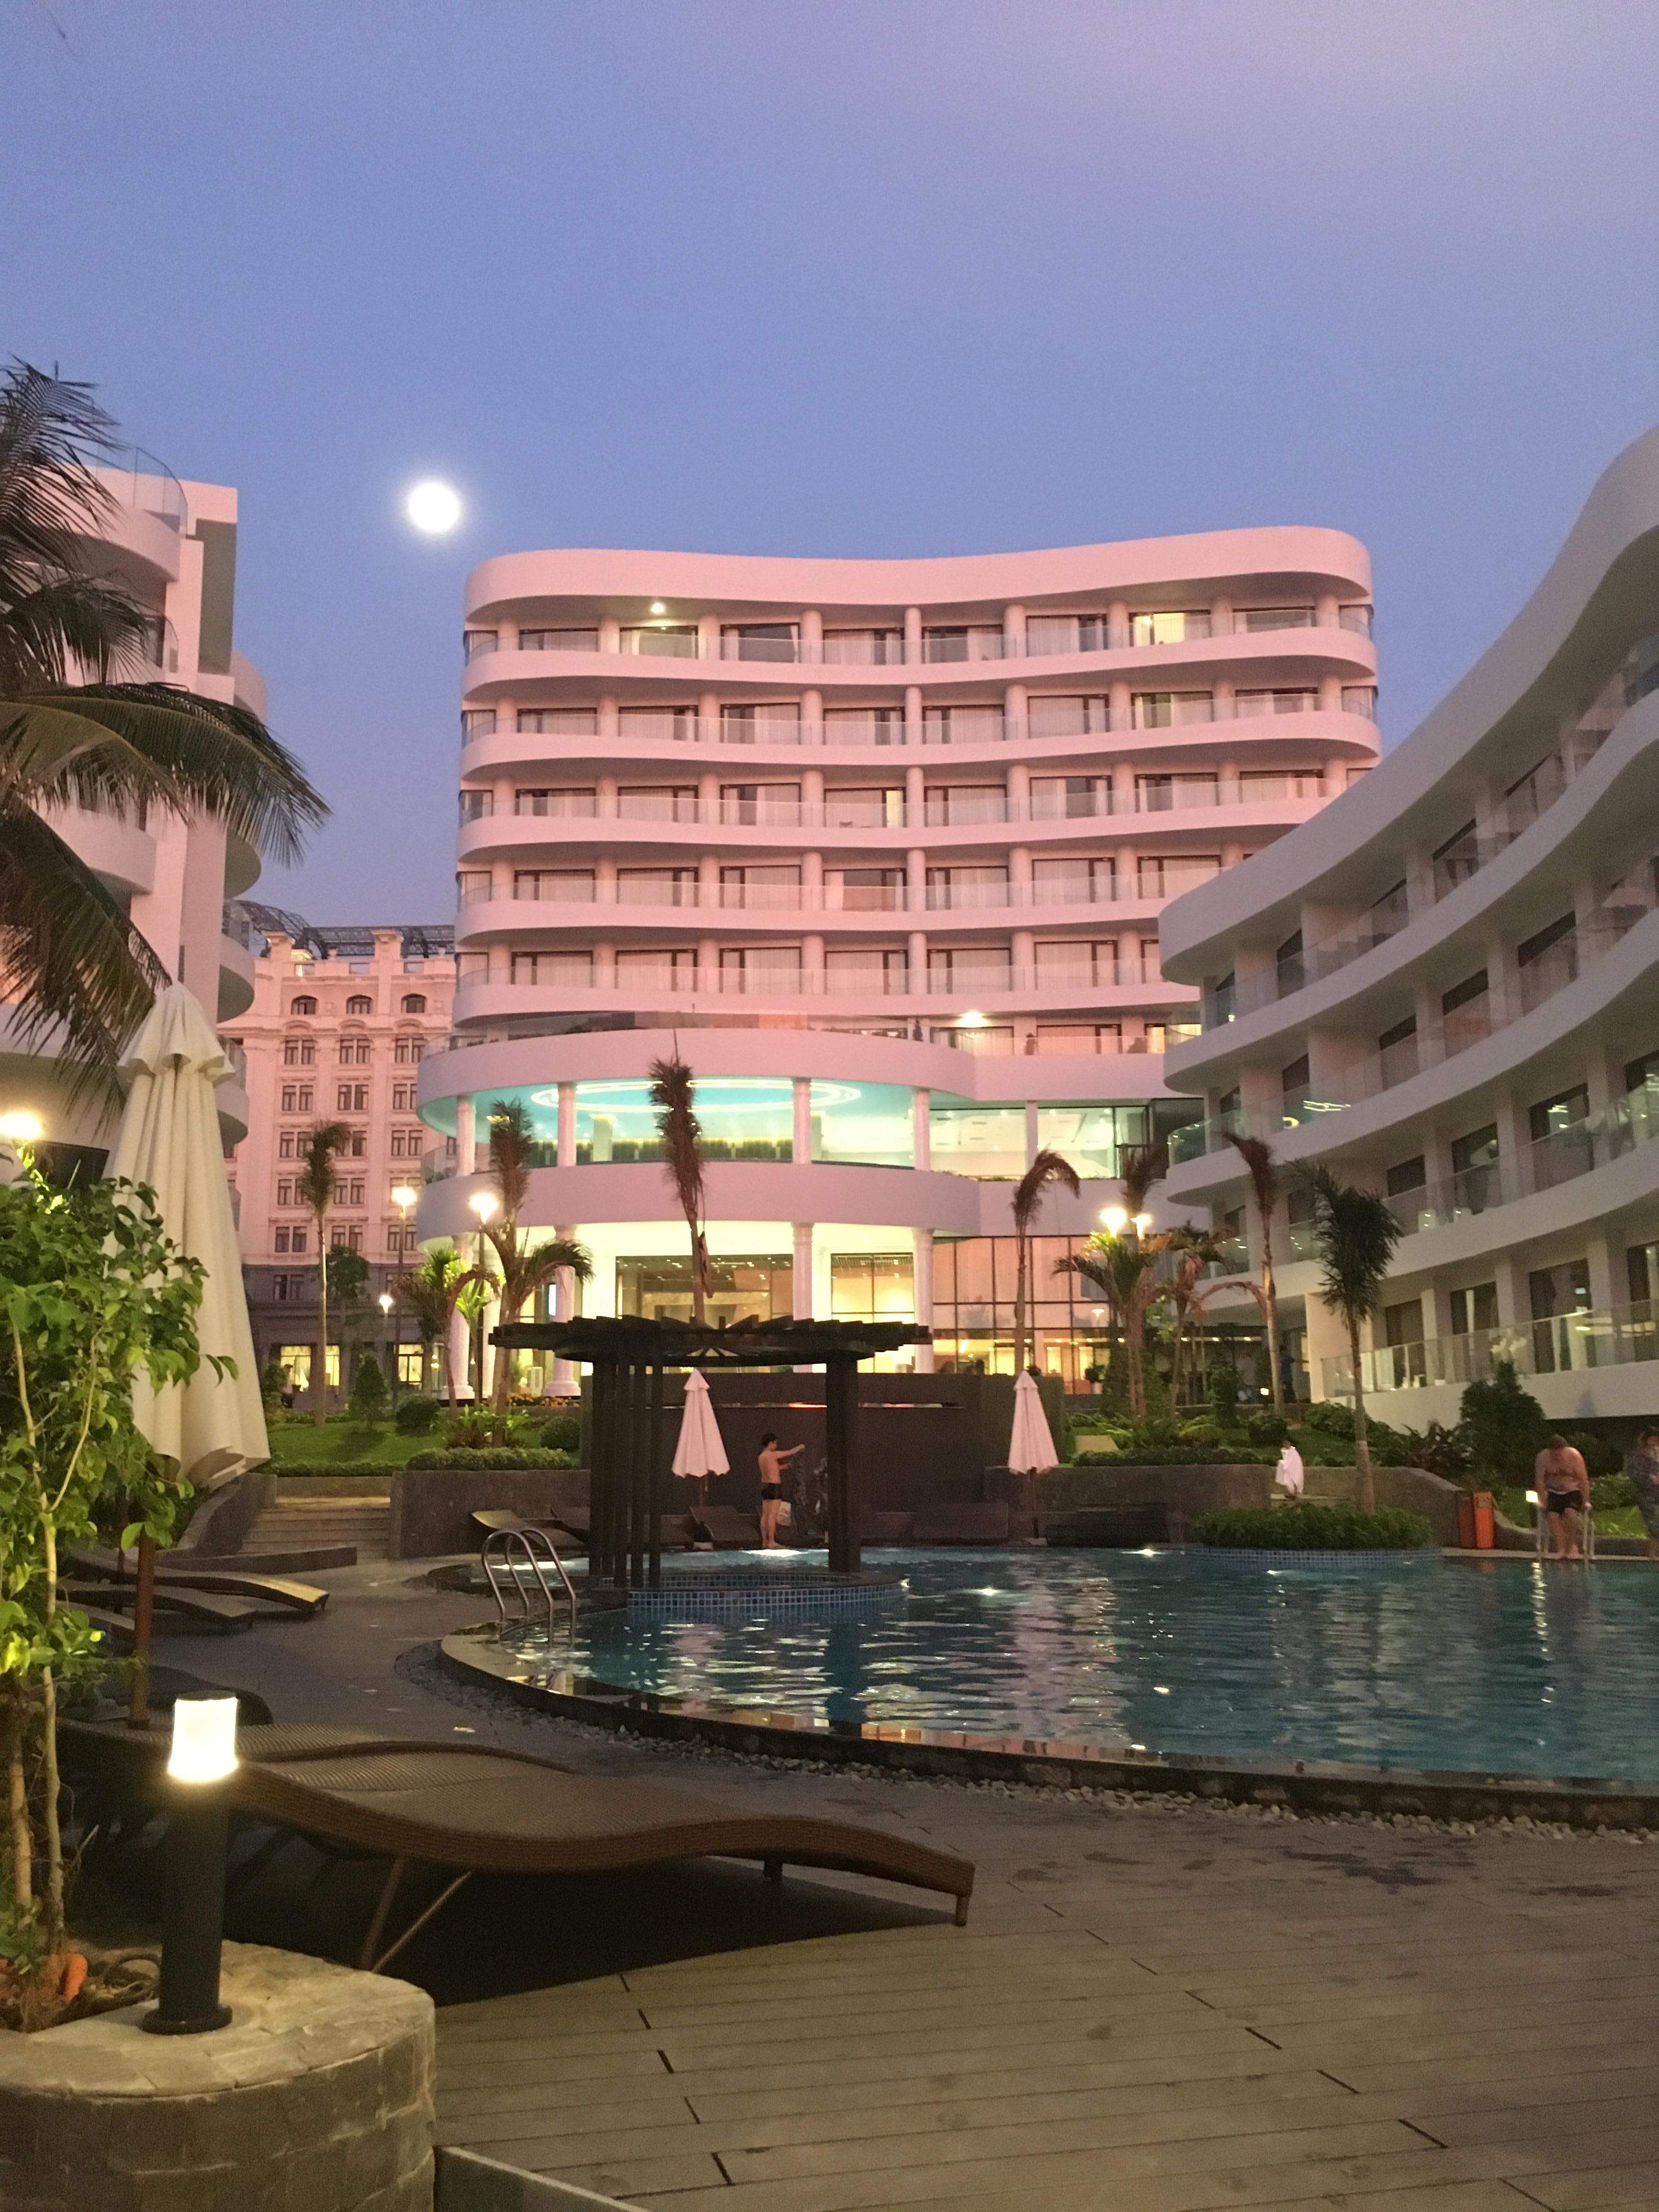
(1149, 2012)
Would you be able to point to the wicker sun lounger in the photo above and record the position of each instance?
(489, 1518)
(725, 1528)
(469, 1811)
(223, 1577)
(174, 1603)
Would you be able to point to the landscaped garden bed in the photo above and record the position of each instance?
(1311, 1528)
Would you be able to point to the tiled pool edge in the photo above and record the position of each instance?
(1313, 1787)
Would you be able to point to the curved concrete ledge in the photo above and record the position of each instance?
(1302, 1786)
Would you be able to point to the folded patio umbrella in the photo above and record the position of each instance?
(214, 1426)
(699, 1453)
(1031, 1449)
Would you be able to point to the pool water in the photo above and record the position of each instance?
(1406, 1662)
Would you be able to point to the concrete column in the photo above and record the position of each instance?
(1014, 704)
(919, 963)
(1606, 1260)
(1430, 1039)
(1117, 623)
(460, 1347)
(708, 637)
(811, 793)
(1033, 1141)
(912, 640)
(1019, 791)
(604, 797)
(1328, 611)
(812, 716)
(1513, 1144)
(604, 881)
(915, 879)
(922, 1267)
(1020, 874)
(811, 962)
(610, 713)
(803, 1129)
(811, 882)
(1022, 948)
(465, 1122)
(1330, 695)
(913, 720)
(916, 796)
(1013, 631)
(1221, 618)
(1502, 994)
(709, 716)
(1122, 711)
(1225, 699)
(921, 1129)
(709, 800)
(1229, 789)
(800, 1278)
(567, 1126)
(812, 633)
(1514, 1291)
(604, 963)
(708, 964)
(610, 634)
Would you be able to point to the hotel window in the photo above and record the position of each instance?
(575, 801)
(1084, 633)
(966, 803)
(969, 968)
(354, 1237)
(1474, 1310)
(1247, 703)
(657, 886)
(768, 721)
(558, 721)
(765, 641)
(477, 641)
(1159, 876)
(1161, 794)
(866, 968)
(856, 807)
(558, 641)
(678, 641)
(285, 1143)
(298, 1051)
(677, 724)
(1057, 716)
(663, 967)
(285, 1238)
(760, 968)
(1267, 786)
(1360, 699)
(351, 1099)
(478, 722)
(302, 1005)
(767, 885)
(1065, 797)
(407, 1048)
(864, 891)
(403, 1097)
(414, 1004)
(871, 1286)
(477, 805)
(357, 1147)
(356, 1052)
(1168, 628)
(758, 804)
(554, 884)
(961, 725)
(1248, 620)
(962, 641)
(359, 1005)
(864, 726)
(972, 885)
(1073, 879)
(658, 802)
(285, 1191)
(1164, 710)
(297, 1099)
(548, 969)
(349, 1194)
(863, 647)
(1086, 962)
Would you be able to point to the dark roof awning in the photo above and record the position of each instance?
(638, 1341)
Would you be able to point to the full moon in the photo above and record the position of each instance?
(433, 508)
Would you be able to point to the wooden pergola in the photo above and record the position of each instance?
(627, 1458)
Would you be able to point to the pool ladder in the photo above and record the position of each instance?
(501, 1562)
(1541, 1531)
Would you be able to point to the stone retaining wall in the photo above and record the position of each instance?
(317, 2094)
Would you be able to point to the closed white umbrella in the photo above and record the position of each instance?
(1031, 1449)
(699, 1452)
(214, 1426)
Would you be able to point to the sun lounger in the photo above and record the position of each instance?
(173, 1603)
(226, 1580)
(885, 1527)
(725, 1527)
(471, 1811)
(489, 1518)
(961, 1524)
(673, 1529)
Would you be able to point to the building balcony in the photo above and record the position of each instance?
(1556, 1344)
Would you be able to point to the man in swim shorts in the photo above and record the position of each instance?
(1562, 1481)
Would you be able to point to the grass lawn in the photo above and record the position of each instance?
(302, 1443)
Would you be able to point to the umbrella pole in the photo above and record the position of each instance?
(144, 1608)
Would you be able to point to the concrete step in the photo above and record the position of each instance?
(322, 1523)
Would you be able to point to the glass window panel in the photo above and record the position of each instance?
(1091, 1138)
(985, 1142)
(865, 1124)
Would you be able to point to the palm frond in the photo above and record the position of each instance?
(314, 1177)
(1048, 1167)
(512, 1146)
(53, 507)
(1261, 1164)
(80, 976)
(1142, 1165)
(1356, 1235)
(672, 1094)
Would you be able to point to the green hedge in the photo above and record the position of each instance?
(1167, 1456)
(1312, 1528)
(363, 1470)
(490, 1459)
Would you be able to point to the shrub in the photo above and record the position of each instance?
(1439, 1451)
(1223, 1383)
(272, 1383)
(1332, 1419)
(1608, 1493)
(1093, 1451)
(1266, 1429)
(417, 1416)
(558, 1432)
(365, 1470)
(1311, 1528)
(1502, 1423)
(489, 1459)
(1602, 1455)
(369, 1390)
(472, 1426)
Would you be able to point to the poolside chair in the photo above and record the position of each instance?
(173, 1604)
(488, 1519)
(223, 1577)
(469, 1811)
(725, 1527)
(961, 1524)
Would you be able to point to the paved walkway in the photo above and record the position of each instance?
(1151, 2011)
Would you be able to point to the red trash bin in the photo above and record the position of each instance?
(1466, 1521)
(1486, 1524)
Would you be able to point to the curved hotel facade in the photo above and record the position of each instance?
(884, 844)
(1448, 988)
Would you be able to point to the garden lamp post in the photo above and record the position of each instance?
(203, 1758)
(485, 1204)
(384, 1301)
(403, 1195)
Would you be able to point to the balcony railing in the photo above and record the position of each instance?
(944, 644)
(139, 481)
(867, 732)
(1557, 1343)
(571, 887)
(969, 985)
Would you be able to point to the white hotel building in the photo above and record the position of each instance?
(1448, 988)
(884, 843)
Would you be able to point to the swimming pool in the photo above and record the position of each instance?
(1408, 1661)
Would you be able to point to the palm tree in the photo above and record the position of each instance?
(526, 1269)
(313, 1186)
(671, 1094)
(1187, 1294)
(1047, 1168)
(73, 733)
(432, 1292)
(1140, 1167)
(1262, 1167)
(1356, 1234)
(1124, 1268)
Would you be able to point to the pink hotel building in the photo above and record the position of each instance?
(884, 844)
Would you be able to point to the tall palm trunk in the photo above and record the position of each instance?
(319, 1376)
(1365, 1482)
(1022, 1265)
(1270, 1304)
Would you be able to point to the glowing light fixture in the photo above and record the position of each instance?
(971, 1020)
(203, 1740)
(403, 1198)
(21, 1129)
(1143, 1223)
(433, 508)
(384, 1302)
(658, 608)
(485, 1204)
(204, 1754)
(1115, 1218)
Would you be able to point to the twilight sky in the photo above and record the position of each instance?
(834, 276)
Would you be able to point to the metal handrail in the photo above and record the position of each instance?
(497, 1549)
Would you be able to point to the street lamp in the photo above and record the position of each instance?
(204, 1756)
(1115, 1220)
(486, 1205)
(385, 1303)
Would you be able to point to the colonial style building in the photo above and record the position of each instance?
(339, 1022)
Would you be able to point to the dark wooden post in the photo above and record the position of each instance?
(841, 1384)
(639, 1475)
(655, 1487)
(621, 1461)
(601, 1427)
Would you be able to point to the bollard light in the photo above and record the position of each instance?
(203, 1758)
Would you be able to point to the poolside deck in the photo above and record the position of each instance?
(1149, 2012)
